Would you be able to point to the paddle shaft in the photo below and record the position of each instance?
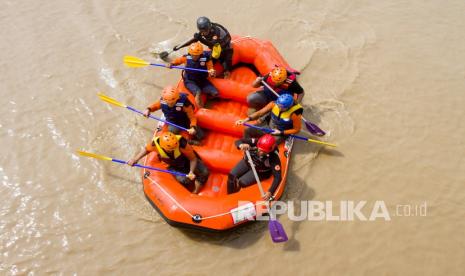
(106, 158)
(260, 187)
(179, 67)
(149, 168)
(267, 130)
(156, 118)
(165, 54)
(259, 183)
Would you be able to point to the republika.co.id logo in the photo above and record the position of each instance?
(345, 210)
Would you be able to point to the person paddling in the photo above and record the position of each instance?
(180, 156)
(197, 82)
(178, 110)
(285, 118)
(282, 81)
(266, 161)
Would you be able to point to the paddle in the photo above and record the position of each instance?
(106, 158)
(112, 101)
(164, 55)
(136, 62)
(267, 130)
(277, 232)
(312, 128)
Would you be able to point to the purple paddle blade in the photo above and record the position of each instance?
(277, 232)
(314, 129)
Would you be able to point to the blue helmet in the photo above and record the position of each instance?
(285, 101)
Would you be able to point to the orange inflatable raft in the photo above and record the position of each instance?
(213, 209)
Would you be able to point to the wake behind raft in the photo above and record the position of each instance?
(213, 209)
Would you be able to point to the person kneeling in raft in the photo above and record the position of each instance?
(177, 110)
(265, 159)
(180, 156)
(285, 119)
(197, 82)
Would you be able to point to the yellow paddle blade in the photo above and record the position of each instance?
(107, 99)
(131, 61)
(321, 143)
(93, 155)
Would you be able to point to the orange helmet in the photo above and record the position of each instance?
(195, 49)
(170, 94)
(168, 141)
(278, 75)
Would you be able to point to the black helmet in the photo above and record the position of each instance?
(203, 23)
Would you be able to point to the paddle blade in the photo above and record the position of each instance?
(109, 100)
(277, 232)
(93, 155)
(131, 61)
(314, 129)
(164, 55)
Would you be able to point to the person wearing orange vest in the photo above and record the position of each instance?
(177, 110)
(282, 81)
(180, 156)
(266, 160)
(285, 119)
(197, 82)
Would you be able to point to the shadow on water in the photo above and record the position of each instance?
(331, 152)
(241, 237)
(299, 191)
(306, 152)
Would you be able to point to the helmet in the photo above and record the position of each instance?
(195, 49)
(170, 94)
(285, 100)
(266, 143)
(168, 141)
(278, 75)
(203, 23)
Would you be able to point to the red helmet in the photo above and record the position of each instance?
(266, 143)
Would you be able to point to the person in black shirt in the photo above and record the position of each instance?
(217, 38)
(282, 81)
(266, 161)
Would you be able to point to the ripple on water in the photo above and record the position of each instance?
(106, 74)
